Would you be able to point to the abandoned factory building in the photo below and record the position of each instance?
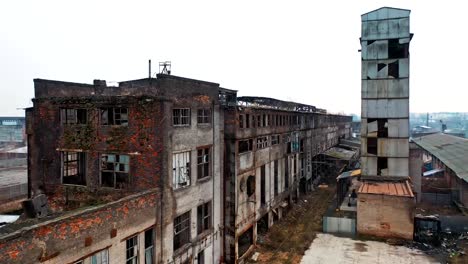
(160, 170)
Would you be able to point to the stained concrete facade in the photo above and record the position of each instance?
(385, 93)
(270, 147)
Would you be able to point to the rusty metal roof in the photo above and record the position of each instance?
(387, 188)
(450, 150)
(340, 153)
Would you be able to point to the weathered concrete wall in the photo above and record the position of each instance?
(415, 167)
(385, 216)
(62, 239)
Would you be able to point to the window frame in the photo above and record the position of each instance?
(262, 142)
(75, 113)
(149, 259)
(204, 217)
(182, 220)
(80, 167)
(203, 162)
(111, 113)
(184, 157)
(180, 117)
(116, 163)
(133, 259)
(203, 116)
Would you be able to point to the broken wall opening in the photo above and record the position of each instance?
(262, 225)
(245, 241)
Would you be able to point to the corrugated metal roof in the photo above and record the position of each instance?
(451, 150)
(387, 188)
(340, 153)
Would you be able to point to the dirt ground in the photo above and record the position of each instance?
(287, 240)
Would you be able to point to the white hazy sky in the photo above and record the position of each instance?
(304, 51)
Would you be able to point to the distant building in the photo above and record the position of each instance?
(385, 123)
(440, 169)
(12, 131)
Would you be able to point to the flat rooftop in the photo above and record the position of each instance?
(387, 188)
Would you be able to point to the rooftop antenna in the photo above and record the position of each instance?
(165, 67)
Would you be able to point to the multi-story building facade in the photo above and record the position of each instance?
(149, 170)
(269, 150)
(385, 119)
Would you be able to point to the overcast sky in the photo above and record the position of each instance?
(304, 51)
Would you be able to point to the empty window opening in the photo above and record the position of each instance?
(262, 142)
(181, 230)
(393, 69)
(73, 168)
(203, 163)
(245, 241)
(275, 140)
(201, 257)
(382, 166)
(204, 116)
(247, 121)
(149, 246)
(114, 170)
(203, 217)
(380, 66)
(372, 146)
(377, 127)
(181, 117)
(250, 185)
(397, 50)
(262, 225)
(275, 175)
(259, 121)
(73, 116)
(369, 42)
(245, 145)
(181, 169)
(262, 186)
(241, 121)
(114, 116)
(264, 123)
(132, 250)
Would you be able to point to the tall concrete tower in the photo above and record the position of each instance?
(385, 94)
(385, 198)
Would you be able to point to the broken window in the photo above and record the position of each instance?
(259, 121)
(203, 217)
(181, 230)
(377, 127)
(114, 116)
(73, 168)
(380, 66)
(250, 185)
(73, 116)
(262, 142)
(247, 121)
(181, 169)
(393, 69)
(201, 257)
(275, 140)
(204, 116)
(262, 186)
(181, 117)
(245, 145)
(114, 170)
(101, 257)
(372, 146)
(203, 162)
(264, 123)
(241, 121)
(275, 175)
(149, 246)
(382, 166)
(132, 250)
(397, 50)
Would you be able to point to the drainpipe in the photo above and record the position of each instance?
(213, 173)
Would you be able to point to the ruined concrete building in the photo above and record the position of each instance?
(160, 170)
(384, 125)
